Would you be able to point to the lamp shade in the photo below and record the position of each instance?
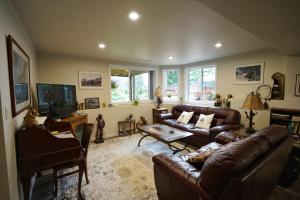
(157, 92)
(253, 102)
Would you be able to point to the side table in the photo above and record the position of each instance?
(156, 112)
(126, 127)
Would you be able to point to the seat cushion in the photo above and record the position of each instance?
(230, 160)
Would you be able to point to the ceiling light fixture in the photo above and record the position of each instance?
(134, 16)
(102, 46)
(218, 44)
(170, 57)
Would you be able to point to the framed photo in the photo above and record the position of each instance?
(90, 80)
(297, 86)
(249, 74)
(19, 76)
(92, 103)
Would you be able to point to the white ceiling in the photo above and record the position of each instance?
(185, 29)
(276, 22)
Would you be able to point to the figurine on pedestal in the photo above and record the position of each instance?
(100, 126)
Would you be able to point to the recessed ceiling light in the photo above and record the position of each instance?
(102, 46)
(218, 44)
(134, 16)
(170, 57)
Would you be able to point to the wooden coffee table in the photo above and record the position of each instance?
(165, 134)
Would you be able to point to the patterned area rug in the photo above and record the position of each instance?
(119, 170)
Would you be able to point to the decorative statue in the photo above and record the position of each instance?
(141, 122)
(129, 117)
(29, 119)
(100, 126)
(157, 94)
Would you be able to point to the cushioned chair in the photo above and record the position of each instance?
(87, 130)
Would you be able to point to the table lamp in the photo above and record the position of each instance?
(157, 94)
(252, 102)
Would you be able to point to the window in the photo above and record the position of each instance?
(201, 83)
(171, 85)
(131, 84)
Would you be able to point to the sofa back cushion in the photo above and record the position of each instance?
(231, 159)
(178, 109)
(273, 134)
(224, 116)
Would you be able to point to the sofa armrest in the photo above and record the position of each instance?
(179, 169)
(218, 129)
(164, 116)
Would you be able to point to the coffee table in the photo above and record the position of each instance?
(165, 134)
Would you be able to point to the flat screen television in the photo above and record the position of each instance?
(57, 101)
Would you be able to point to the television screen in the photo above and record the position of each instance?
(58, 101)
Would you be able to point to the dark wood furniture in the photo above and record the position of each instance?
(156, 112)
(76, 120)
(165, 134)
(284, 116)
(126, 127)
(87, 130)
(37, 150)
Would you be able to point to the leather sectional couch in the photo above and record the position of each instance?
(224, 119)
(244, 170)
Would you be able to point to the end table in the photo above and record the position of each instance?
(156, 112)
(126, 127)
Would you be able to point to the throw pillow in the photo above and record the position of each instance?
(204, 121)
(185, 117)
(201, 155)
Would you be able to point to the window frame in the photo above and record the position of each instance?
(131, 68)
(186, 84)
(164, 86)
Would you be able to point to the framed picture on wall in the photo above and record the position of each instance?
(297, 86)
(249, 74)
(90, 80)
(19, 76)
(92, 103)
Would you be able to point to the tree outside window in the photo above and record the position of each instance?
(171, 85)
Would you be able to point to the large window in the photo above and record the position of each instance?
(201, 83)
(171, 85)
(131, 84)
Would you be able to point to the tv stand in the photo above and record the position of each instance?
(76, 120)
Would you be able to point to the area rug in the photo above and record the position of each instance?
(119, 170)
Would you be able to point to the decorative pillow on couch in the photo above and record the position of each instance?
(185, 117)
(200, 156)
(204, 121)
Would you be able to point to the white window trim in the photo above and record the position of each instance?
(186, 85)
(179, 85)
(131, 67)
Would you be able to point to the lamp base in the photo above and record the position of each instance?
(250, 130)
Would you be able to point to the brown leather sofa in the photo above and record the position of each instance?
(245, 170)
(224, 119)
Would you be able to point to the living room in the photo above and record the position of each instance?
(121, 40)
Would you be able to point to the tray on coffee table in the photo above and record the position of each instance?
(165, 134)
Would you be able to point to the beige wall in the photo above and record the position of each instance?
(62, 69)
(10, 24)
(274, 62)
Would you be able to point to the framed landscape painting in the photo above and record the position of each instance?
(19, 76)
(92, 103)
(90, 80)
(249, 74)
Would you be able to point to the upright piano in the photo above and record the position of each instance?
(37, 150)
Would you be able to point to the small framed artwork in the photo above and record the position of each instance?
(19, 76)
(249, 74)
(90, 80)
(92, 103)
(297, 86)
